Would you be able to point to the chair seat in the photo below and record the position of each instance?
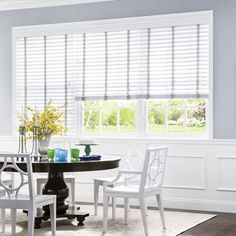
(38, 198)
(123, 189)
(109, 179)
(41, 198)
(23, 201)
(106, 179)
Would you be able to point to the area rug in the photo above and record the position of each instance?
(176, 221)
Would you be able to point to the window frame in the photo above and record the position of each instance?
(142, 124)
(182, 134)
(200, 17)
(105, 134)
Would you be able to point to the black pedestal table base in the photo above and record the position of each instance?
(56, 185)
(71, 213)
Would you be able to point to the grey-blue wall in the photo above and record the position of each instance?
(224, 117)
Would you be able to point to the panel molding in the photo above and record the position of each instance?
(203, 187)
(187, 156)
(220, 188)
(184, 187)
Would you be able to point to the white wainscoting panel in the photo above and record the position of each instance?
(185, 172)
(200, 174)
(226, 173)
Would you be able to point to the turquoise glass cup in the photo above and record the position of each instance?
(74, 153)
(61, 154)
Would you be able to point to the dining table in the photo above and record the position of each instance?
(56, 184)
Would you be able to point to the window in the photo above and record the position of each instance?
(177, 116)
(109, 116)
(145, 75)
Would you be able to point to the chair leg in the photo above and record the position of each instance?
(96, 195)
(70, 196)
(143, 213)
(53, 218)
(31, 218)
(105, 212)
(73, 192)
(129, 206)
(161, 209)
(3, 219)
(126, 203)
(38, 187)
(13, 221)
(113, 208)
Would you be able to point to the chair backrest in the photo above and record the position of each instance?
(135, 157)
(9, 162)
(153, 168)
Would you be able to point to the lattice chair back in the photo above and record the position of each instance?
(153, 169)
(135, 157)
(25, 177)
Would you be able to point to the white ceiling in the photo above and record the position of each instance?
(23, 4)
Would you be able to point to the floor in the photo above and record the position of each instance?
(177, 222)
(224, 224)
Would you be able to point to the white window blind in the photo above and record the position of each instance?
(46, 68)
(101, 64)
(170, 62)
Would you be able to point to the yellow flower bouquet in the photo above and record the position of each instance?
(49, 122)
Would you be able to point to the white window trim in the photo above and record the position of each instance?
(202, 17)
(6, 5)
(183, 19)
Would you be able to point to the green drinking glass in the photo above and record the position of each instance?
(74, 153)
(51, 153)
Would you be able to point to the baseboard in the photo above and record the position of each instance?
(200, 205)
(178, 203)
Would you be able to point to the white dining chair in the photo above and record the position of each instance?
(97, 182)
(3, 212)
(149, 184)
(7, 182)
(69, 179)
(135, 152)
(13, 198)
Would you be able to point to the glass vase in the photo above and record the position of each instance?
(44, 144)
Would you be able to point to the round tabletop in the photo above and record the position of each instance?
(71, 166)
